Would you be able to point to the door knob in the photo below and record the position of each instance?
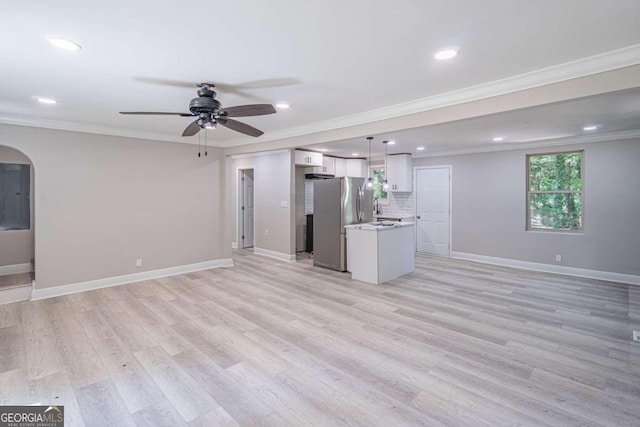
(418, 217)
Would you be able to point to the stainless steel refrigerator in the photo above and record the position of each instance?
(337, 202)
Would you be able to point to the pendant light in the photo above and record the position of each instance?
(385, 183)
(369, 180)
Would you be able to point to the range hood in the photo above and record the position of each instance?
(318, 176)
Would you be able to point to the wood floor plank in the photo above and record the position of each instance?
(179, 388)
(101, 405)
(56, 389)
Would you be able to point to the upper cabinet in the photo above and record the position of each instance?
(308, 158)
(399, 173)
(356, 168)
(328, 167)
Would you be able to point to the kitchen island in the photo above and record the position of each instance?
(380, 251)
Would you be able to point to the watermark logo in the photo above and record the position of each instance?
(32, 416)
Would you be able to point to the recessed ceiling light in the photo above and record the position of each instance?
(391, 143)
(65, 44)
(498, 139)
(324, 150)
(354, 154)
(48, 101)
(420, 148)
(590, 127)
(282, 105)
(446, 53)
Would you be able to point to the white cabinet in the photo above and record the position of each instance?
(399, 172)
(308, 158)
(356, 168)
(328, 167)
(340, 167)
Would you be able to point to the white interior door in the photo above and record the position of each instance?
(247, 208)
(433, 216)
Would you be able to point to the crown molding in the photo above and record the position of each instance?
(258, 154)
(570, 140)
(94, 129)
(608, 61)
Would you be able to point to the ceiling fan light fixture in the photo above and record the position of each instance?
(62, 43)
(210, 125)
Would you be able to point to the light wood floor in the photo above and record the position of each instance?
(273, 343)
(14, 280)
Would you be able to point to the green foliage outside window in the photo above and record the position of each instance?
(378, 177)
(555, 191)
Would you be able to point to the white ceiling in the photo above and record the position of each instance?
(612, 112)
(338, 57)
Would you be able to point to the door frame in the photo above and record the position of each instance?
(415, 202)
(239, 201)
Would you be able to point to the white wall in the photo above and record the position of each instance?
(274, 182)
(16, 246)
(489, 208)
(102, 202)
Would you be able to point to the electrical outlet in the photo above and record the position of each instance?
(138, 263)
(266, 232)
(558, 258)
(636, 335)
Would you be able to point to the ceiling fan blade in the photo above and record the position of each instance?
(248, 110)
(259, 84)
(166, 82)
(240, 127)
(150, 113)
(192, 129)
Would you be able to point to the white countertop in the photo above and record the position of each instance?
(380, 226)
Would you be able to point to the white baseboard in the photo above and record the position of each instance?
(56, 291)
(234, 245)
(549, 268)
(6, 270)
(273, 254)
(19, 293)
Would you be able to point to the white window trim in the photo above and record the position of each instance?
(529, 228)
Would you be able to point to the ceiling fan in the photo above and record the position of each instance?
(210, 113)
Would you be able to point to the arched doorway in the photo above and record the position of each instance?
(17, 225)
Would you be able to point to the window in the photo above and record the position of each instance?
(555, 191)
(377, 173)
(14, 197)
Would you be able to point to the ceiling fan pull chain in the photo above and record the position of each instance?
(198, 144)
(205, 142)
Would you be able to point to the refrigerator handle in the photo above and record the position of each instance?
(359, 205)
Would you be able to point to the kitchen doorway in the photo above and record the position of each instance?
(433, 210)
(246, 209)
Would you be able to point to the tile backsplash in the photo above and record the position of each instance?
(308, 196)
(400, 204)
